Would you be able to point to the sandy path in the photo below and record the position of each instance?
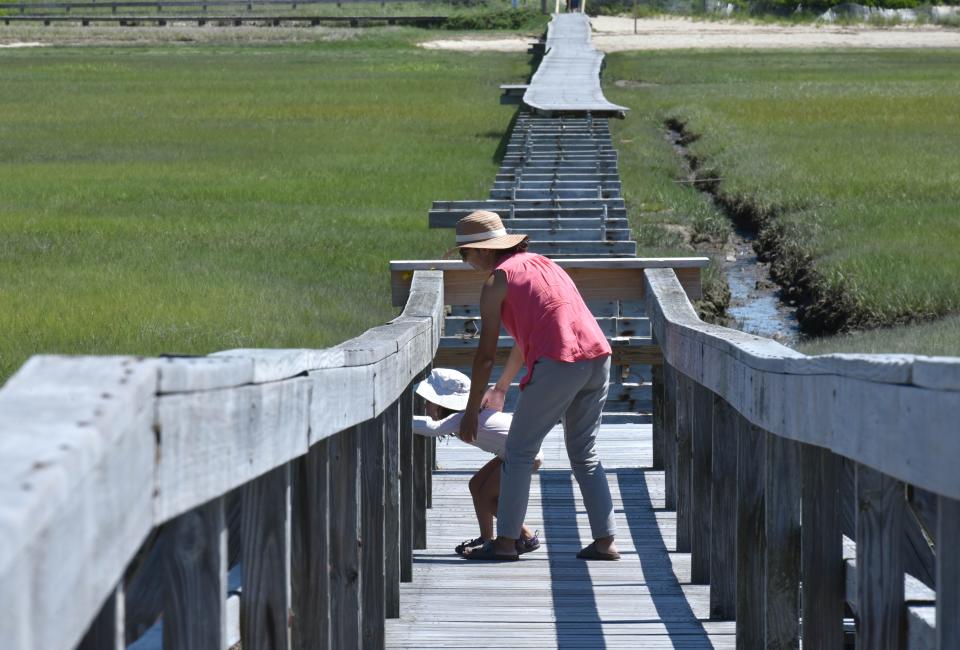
(613, 34)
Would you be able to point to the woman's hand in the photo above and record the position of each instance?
(468, 426)
(493, 399)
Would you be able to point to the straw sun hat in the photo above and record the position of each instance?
(483, 229)
(447, 388)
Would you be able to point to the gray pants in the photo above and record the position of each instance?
(574, 392)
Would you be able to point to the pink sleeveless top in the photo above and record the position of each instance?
(546, 315)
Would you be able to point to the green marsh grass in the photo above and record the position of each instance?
(192, 199)
(855, 153)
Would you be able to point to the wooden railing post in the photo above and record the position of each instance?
(406, 485)
(684, 485)
(751, 540)
(948, 573)
(372, 531)
(310, 547)
(669, 437)
(420, 458)
(881, 618)
(195, 579)
(821, 549)
(782, 529)
(392, 519)
(431, 464)
(106, 630)
(702, 444)
(723, 512)
(658, 406)
(345, 602)
(265, 556)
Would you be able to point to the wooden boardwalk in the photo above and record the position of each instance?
(550, 599)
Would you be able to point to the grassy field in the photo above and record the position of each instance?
(849, 163)
(185, 200)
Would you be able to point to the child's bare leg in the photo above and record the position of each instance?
(490, 493)
(477, 483)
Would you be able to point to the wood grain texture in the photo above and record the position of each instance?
(195, 580)
(751, 537)
(670, 436)
(658, 416)
(106, 632)
(948, 574)
(265, 556)
(701, 483)
(310, 549)
(345, 562)
(392, 517)
(684, 419)
(723, 512)
(372, 571)
(821, 549)
(881, 614)
(406, 486)
(782, 530)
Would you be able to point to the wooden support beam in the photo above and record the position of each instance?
(700, 473)
(406, 485)
(881, 621)
(106, 630)
(821, 549)
(723, 512)
(669, 437)
(310, 562)
(684, 479)
(265, 557)
(782, 530)
(658, 417)
(392, 520)
(419, 492)
(195, 579)
(751, 538)
(948, 573)
(372, 531)
(345, 601)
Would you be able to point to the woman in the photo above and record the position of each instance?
(568, 368)
(446, 392)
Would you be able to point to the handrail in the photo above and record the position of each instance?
(104, 4)
(95, 452)
(771, 456)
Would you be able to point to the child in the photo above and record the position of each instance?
(446, 392)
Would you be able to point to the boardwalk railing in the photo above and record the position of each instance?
(129, 486)
(755, 438)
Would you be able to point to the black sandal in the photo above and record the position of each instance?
(473, 543)
(487, 552)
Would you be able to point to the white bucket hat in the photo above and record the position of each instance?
(447, 388)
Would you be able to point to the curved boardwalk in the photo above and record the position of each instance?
(550, 599)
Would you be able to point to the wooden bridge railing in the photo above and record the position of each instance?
(129, 486)
(755, 440)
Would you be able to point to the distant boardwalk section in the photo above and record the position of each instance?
(568, 79)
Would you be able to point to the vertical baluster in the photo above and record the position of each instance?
(751, 542)
(782, 544)
(265, 556)
(723, 512)
(702, 431)
(372, 531)
(345, 605)
(106, 631)
(881, 621)
(407, 518)
(431, 461)
(419, 481)
(669, 437)
(391, 499)
(684, 460)
(948, 573)
(310, 563)
(658, 407)
(821, 544)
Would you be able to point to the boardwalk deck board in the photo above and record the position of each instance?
(549, 598)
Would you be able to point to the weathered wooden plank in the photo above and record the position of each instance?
(948, 574)
(392, 517)
(879, 560)
(345, 561)
(821, 550)
(195, 580)
(782, 531)
(658, 417)
(684, 482)
(265, 606)
(189, 374)
(670, 437)
(310, 549)
(700, 472)
(751, 538)
(106, 632)
(723, 512)
(430, 464)
(372, 572)
(406, 485)
(419, 492)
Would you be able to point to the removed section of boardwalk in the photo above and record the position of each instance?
(550, 599)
